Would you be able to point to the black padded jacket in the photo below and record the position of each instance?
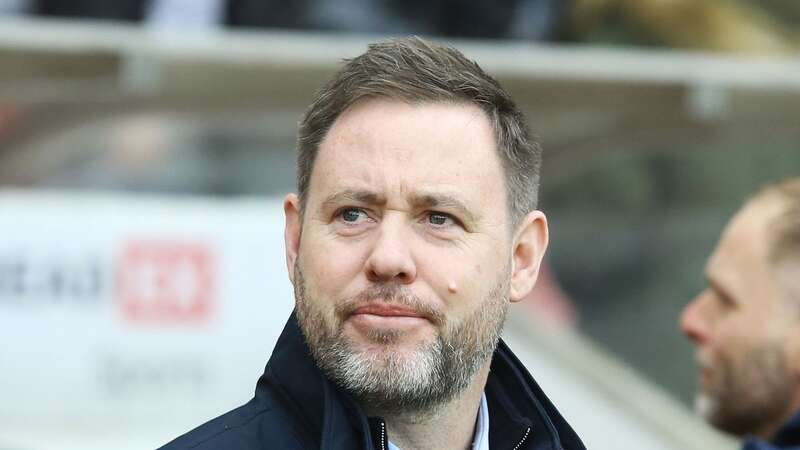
(297, 407)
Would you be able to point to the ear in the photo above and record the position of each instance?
(530, 243)
(291, 232)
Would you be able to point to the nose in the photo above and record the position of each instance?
(390, 258)
(694, 323)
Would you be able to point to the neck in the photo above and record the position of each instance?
(451, 426)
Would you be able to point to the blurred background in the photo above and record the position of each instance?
(145, 147)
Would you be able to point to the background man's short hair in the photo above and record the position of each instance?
(414, 70)
(785, 229)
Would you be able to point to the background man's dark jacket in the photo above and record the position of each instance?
(788, 438)
(297, 407)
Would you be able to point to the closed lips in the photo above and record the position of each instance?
(387, 311)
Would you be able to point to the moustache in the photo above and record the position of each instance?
(392, 295)
(703, 360)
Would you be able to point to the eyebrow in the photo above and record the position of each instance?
(445, 201)
(355, 196)
(418, 200)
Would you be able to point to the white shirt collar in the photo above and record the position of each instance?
(481, 437)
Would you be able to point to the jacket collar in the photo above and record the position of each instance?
(789, 434)
(787, 437)
(330, 418)
(517, 405)
(520, 412)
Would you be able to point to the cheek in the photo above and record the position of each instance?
(330, 267)
(736, 338)
(460, 282)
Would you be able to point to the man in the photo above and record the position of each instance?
(746, 324)
(414, 227)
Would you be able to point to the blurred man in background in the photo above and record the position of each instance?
(414, 227)
(746, 324)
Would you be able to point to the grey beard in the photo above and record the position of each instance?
(419, 383)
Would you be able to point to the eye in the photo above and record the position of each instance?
(440, 219)
(724, 302)
(352, 215)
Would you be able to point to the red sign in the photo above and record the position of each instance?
(161, 281)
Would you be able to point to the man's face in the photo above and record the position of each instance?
(403, 267)
(742, 328)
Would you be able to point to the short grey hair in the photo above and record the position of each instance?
(414, 70)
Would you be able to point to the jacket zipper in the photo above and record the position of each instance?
(383, 435)
(524, 438)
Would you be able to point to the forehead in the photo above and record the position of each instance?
(741, 261)
(391, 146)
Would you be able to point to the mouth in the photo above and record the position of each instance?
(704, 376)
(704, 371)
(387, 310)
(380, 315)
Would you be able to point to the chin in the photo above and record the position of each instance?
(399, 345)
(705, 406)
